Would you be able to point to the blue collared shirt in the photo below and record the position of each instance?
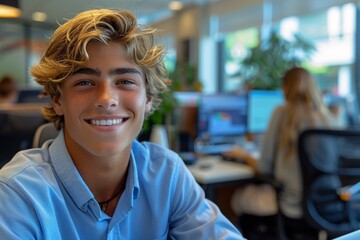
(43, 196)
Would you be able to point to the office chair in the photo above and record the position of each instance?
(16, 132)
(13, 142)
(43, 133)
(330, 165)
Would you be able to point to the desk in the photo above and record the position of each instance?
(22, 107)
(213, 170)
(219, 178)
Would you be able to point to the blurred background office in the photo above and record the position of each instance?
(216, 47)
(226, 59)
(211, 36)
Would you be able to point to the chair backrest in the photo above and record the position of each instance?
(43, 133)
(13, 142)
(330, 160)
(17, 129)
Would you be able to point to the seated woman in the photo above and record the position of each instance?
(303, 109)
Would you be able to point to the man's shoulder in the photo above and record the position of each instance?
(25, 163)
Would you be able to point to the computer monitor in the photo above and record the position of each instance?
(261, 104)
(221, 116)
(187, 99)
(31, 96)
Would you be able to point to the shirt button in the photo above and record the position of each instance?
(91, 202)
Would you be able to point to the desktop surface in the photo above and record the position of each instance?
(213, 169)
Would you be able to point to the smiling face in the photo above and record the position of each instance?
(103, 104)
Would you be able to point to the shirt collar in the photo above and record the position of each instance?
(133, 177)
(132, 190)
(67, 172)
(73, 182)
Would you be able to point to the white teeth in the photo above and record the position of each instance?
(107, 122)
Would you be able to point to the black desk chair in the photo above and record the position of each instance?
(17, 131)
(330, 167)
(11, 143)
(330, 163)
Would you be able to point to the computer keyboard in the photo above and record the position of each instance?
(233, 159)
(213, 148)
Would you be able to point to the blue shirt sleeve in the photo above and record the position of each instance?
(18, 214)
(195, 217)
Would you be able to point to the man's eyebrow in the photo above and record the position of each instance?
(88, 71)
(115, 71)
(119, 71)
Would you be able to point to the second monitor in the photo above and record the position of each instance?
(222, 116)
(261, 104)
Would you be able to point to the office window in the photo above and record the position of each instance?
(331, 29)
(21, 46)
(13, 51)
(236, 47)
(333, 32)
(38, 41)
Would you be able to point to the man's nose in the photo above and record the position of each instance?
(107, 97)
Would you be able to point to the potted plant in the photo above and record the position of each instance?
(266, 63)
(184, 77)
(161, 116)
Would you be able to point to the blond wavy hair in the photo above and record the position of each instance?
(304, 108)
(66, 52)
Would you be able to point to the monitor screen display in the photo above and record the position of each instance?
(31, 96)
(187, 99)
(261, 104)
(222, 115)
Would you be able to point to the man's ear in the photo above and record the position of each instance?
(57, 104)
(148, 104)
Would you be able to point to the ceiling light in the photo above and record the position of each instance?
(9, 9)
(175, 5)
(39, 16)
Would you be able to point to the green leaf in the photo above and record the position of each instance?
(265, 64)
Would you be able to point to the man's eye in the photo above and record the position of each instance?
(125, 82)
(84, 83)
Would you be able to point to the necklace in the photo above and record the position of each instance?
(104, 204)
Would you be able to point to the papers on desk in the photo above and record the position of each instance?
(213, 169)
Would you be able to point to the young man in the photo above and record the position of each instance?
(95, 181)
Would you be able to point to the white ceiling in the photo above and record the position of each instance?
(147, 11)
